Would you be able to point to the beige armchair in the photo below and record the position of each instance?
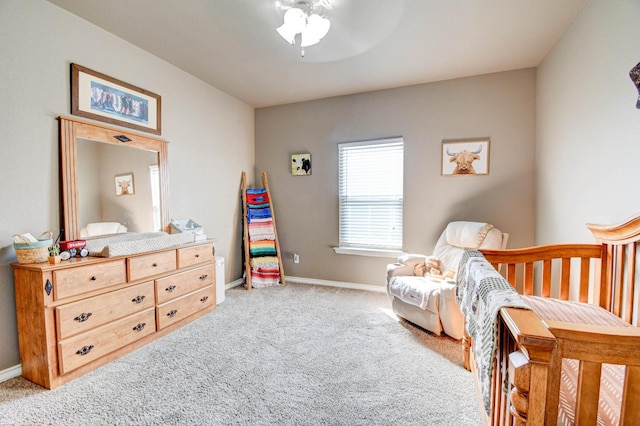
(430, 302)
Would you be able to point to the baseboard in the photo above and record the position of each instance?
(233, 284)
(314, 281)
(341, 284)
(10, 373)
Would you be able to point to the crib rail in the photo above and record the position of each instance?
(531, 351)
(562, 271)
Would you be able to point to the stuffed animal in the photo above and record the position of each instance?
(431, 266)
(449, 274)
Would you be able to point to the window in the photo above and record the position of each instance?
(370, 191)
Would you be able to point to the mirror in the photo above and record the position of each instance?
(108, 175)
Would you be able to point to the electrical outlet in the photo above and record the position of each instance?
(296, 258)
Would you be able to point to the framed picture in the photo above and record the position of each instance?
(465, 157)
(124, 184)
(100, 97)
(301, 164)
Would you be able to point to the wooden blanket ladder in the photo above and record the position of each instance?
(262, 256)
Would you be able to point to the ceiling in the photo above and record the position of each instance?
(372, 44)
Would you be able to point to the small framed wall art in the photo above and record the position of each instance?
(465, 157)
(100, 97)
(301, 164)
(124, 184)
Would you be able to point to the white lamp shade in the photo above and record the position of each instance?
(316, 28)
(294, 23)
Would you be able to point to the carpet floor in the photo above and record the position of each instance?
(292, 355)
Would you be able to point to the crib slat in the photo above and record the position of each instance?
(528, 278)
(630, 415)
(587, 393)
(511, 274)
(546, 278)
(630, 261)
(618, 281)
(606, 290)
(565, 279)
(585, 265)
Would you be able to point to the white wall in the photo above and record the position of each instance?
(210, 134)
(588, 129)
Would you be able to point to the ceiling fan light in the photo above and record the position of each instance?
(294, 23)
(318, 26)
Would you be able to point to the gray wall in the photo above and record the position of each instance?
(588, 129)
(210, 134)
(501, 106)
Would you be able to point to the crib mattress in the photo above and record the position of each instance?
(612, 375)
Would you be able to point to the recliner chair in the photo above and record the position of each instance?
(431, 302)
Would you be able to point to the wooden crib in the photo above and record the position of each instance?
(554, 365)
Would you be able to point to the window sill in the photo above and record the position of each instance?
(368, 252)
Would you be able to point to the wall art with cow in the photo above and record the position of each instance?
(465, 157)
(124, 184)
(301, 164)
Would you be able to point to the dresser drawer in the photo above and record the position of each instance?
(181, 308)
(86, 347)
(195, 255)
(81, 316)
(179, 284)
(74, 281)
(149, 265)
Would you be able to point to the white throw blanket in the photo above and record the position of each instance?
(481, 292)
(415, 291)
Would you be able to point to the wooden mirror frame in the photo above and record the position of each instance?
(70, 131)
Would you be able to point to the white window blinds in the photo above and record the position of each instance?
(370, 191)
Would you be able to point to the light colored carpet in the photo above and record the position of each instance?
(292, 355)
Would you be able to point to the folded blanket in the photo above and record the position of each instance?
(261, 229)
(260, 282)
(258, 206)
(265, 262)
(259, 198)
(481, 292)
(416, 291)
(262, 248)
(258, 214)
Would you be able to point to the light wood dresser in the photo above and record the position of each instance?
(85, 312)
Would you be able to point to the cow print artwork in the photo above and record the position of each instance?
(635, 77)
(301, 164)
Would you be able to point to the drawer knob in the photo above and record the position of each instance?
(83, 317)
(197, 255)
(170, 288)
(172, 313)
(93, 278)
(204, 299)
(140, 326)
(84, 350)
(203, 276)
(138, 299)
(155, 265)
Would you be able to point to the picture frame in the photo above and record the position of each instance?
(465, 157)
(124, 184)
(100, 97)
(301, 164)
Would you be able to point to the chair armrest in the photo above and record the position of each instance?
(404, 265)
